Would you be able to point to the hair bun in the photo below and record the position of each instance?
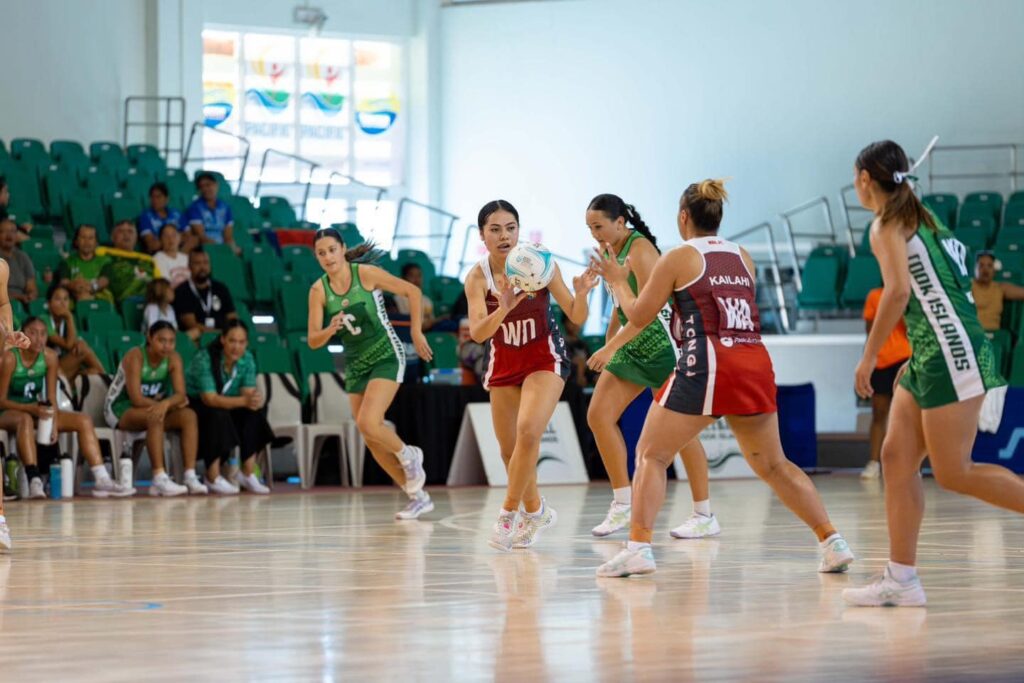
(713, 190)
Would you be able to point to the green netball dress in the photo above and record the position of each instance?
(156, 384)
(650, 357)
(28, 384)
(372, 349)
(952, 359)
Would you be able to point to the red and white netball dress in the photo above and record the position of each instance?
(528, 341)
(724, 368)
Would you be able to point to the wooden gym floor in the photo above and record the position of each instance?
(326, 586)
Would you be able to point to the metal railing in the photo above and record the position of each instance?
(1012, 172)
(313, 165)
(433, 212)
(779, 303)
(187, 158)
(350, 180)
(171, 106)
(791, 235)
(848, 209)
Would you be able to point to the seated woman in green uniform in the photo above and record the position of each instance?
(148, 395)
(221, 386)
(75, 354)
(28, 377)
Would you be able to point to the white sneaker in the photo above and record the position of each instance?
(35, 488)
(108, 488)
(194, 486)
(421, 504)
(617, 518)
(697, 526)
(873, 470)
(529, 526)
(251, 483)
(836, 557)
(222, 486)
(163, 485)
(5, 537)
(504, 530)
(885, 591)
(415, 476)
(629, 562)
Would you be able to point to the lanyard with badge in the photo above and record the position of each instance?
(207, 306)
(227, 384)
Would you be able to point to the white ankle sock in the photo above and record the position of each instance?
(536, 513)
(507, 513)
(633, 546)
(824, 544)
(3, 519)
(902, 572)
(702, 507)
(190, 474)
(623, 495)
(99, 473)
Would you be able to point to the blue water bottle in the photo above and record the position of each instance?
(55, 480)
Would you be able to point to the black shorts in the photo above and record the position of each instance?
(884, 379)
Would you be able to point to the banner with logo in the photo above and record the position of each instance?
(477, 458)
(1005, 447)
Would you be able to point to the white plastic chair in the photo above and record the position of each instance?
(332, 416)
(284, 413)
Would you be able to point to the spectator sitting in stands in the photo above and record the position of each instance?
(24, 224)
(577, 351)
(170, 262)
(988, 294)
(127, 271)
(22, 283)
(159, 304)
(209, 218)
(155, 217)
(414, 274)
(75, 354)
(202, 304)
(81, 272)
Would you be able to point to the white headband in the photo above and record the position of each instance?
(899, 176)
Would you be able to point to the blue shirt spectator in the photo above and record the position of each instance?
(155, 217)
(209, 217)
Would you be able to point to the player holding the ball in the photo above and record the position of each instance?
(509, 294)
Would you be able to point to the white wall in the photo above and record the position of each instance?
(69, 65)
(549, 103)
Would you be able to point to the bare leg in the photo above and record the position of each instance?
(695, 461)
(611, 398)
(540, 394)
(902, 453)
(368, 409)
(24, 429)
(87, 442)
(184, 420)
(665, 433)
(758, 437)
(505, 416)
(880, 405)
(137, 420)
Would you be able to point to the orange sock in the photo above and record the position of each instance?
(823, 531)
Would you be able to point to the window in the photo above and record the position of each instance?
(334, 102)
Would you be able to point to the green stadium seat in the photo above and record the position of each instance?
(99, 180)
(121, 206)
(23, 185)
(138, 186)
(28, 148)
(446, 349)
(301, 261)
(98, 149)
(349, 233)
(85, 208)
(258, 339)
(121, 342)
(984, 223)
(445, 290)
(821, 275)
(244, 213)
(266, 272)
(1015, 197)
(207, 338)
(155, 167)
(1017, 366)
(274, 359)
(312, 362)
(43, 254)
(243, 313)
(90, 306)
(131, 312)
(1010, 236)
(62, 149)
(181, 190)
(944, 206)
(864, 247)
(862, 275)
(59, 186)
(99, 321)
(1002, 342)
(1013, 215)
(389, 264)
(37, 307)
(139, 151)
(987, 203)
(114, 163)
(185, 347)
(421, 259)
(277, 211)
(292, 306)
(132, 174)
(974, 240)
(307, 225)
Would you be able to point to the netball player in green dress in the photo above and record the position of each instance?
(346, 305)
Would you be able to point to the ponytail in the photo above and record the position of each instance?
(367, 252)
(888, 165)
(614, 208)
(704, 202)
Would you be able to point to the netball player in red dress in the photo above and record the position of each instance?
(724, 370)
(527, 367)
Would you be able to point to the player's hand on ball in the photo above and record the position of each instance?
(600, 359)
(423, 349)
(508, 299)
(607, 266)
